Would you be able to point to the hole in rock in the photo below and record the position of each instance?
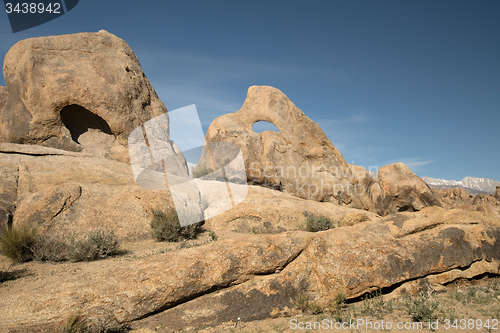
(261, 126)
(406, 208)
(78, 120)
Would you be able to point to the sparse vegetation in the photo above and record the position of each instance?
(315, 223)
(75, 323)
(375, 305)
(339, 309)
(421, 308)
(304, 305)
(98, 244)
(213, 236)
(23, 244)
(201, 172)
(167, 228)
(18, 242)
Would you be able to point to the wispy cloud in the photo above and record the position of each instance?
(415, 164)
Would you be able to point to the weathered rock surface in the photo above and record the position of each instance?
(81, 92)
(398, 189)
(269, 211)
(3, 96)
(41, 207)
(259, 276)
(9, 173)
(299, 160)
(497, 193)
(72, 192)
(353, 218)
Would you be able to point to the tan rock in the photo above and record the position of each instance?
(258, 276)
(40, 208)
(454, 196)
(3, 96)
(353, 218)
(497, 193)
(299, 160)
(269, 211)
(398, 189)
(81, 92)
(48, 183)
(9, 173)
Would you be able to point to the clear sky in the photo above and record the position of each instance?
(416, 82)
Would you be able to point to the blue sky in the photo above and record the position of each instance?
(388, 81)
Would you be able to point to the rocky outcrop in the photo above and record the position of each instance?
(260, 276)
(398, 189)
(497, 193)
(81, 92)
(299, 160)
(269, 211)
(458, 198)
(65, 192)
(454, 196)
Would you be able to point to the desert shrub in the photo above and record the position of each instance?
(17, 242)
(213, 236)
(315, 223)
(200, 172)
(337, 308)
(421, 308)
(49, 248)
(304, 305)
(374, 304)
(108, 324)
(75, 324)
(98, 244)
(166, 227)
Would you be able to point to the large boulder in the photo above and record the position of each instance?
(398, 189)
(299, 160)
(66, 192)
(81, 92)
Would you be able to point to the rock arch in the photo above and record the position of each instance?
(262, 125)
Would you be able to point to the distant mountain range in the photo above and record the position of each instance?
(472, 185)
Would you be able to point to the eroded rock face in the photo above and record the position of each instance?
(398, 189)
(497, 193)
(9, 173)
(65, 192)
(81, 92)
(299, 160)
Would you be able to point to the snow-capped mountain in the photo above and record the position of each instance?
(472, 185)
